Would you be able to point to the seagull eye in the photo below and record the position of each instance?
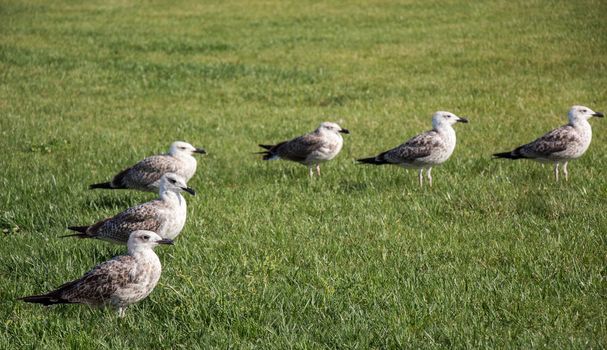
(181, 147)
(172, 181)
(146, 237)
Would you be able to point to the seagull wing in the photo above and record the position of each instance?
(298, 149)
(555, 141)
(146, 172)
(98, 285)
(118, 228)
(419, 146)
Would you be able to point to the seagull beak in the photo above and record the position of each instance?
(200, 150)
(165, 241)
(462, 120)
(598, 114)
(344, 131)
(189, 190)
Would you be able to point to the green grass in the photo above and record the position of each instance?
(496, 255)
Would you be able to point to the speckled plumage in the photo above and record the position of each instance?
(145, 175)
(425, 150)
(118, 282)
(560, 145)
(321, 145)
(429, 148)
(166, 216)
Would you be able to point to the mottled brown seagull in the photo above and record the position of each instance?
(119, 282)
(311, 149)
(145, 175)
(165, 215)
(423, 151)
(560, 145)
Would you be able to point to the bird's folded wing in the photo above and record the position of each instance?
(141, 217)
(299, 148)
(101, 282)
(419, 146)
(147, 171)
(555, 141)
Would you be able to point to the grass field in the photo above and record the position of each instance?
(495, 255)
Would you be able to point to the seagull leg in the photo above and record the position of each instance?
(420, 176)
(121, 312)
(311, 171)
(318, 169)
(429, 176)
(565, 171)
(556, 171)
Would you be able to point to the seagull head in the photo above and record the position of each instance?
(142, 239)
(174, 183)
(180, 148)
(441, 118)
(582, 113)
(332, 127)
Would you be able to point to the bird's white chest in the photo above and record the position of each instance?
(187, 167)
(174, 216)
(445, 146)
(142, 279)
(585, 137)
(330, 148)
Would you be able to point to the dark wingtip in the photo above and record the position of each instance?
(77, 235)
(81, 229)
(104, 185)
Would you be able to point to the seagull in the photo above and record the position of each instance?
(424, 150)
(120, 282)
(165, 215)
(145, 175)
(560, 145)
(311, 149)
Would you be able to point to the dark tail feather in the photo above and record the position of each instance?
(81, 229)
(371, 160)
(45, 299)
(82, 232)
(106, 185)
(516, 154)
(267, 154)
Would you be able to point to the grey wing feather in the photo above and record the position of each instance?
(419, 146)
(298, 149)
(141, 217)
(555, 141)
(98, 285)
(143, 174)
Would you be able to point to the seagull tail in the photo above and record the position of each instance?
(268, 154)
(372, 160)
(81, 232)
(516, 154)
(45, 299)
(107, 185)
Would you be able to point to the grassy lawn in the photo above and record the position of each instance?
(495, 255)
